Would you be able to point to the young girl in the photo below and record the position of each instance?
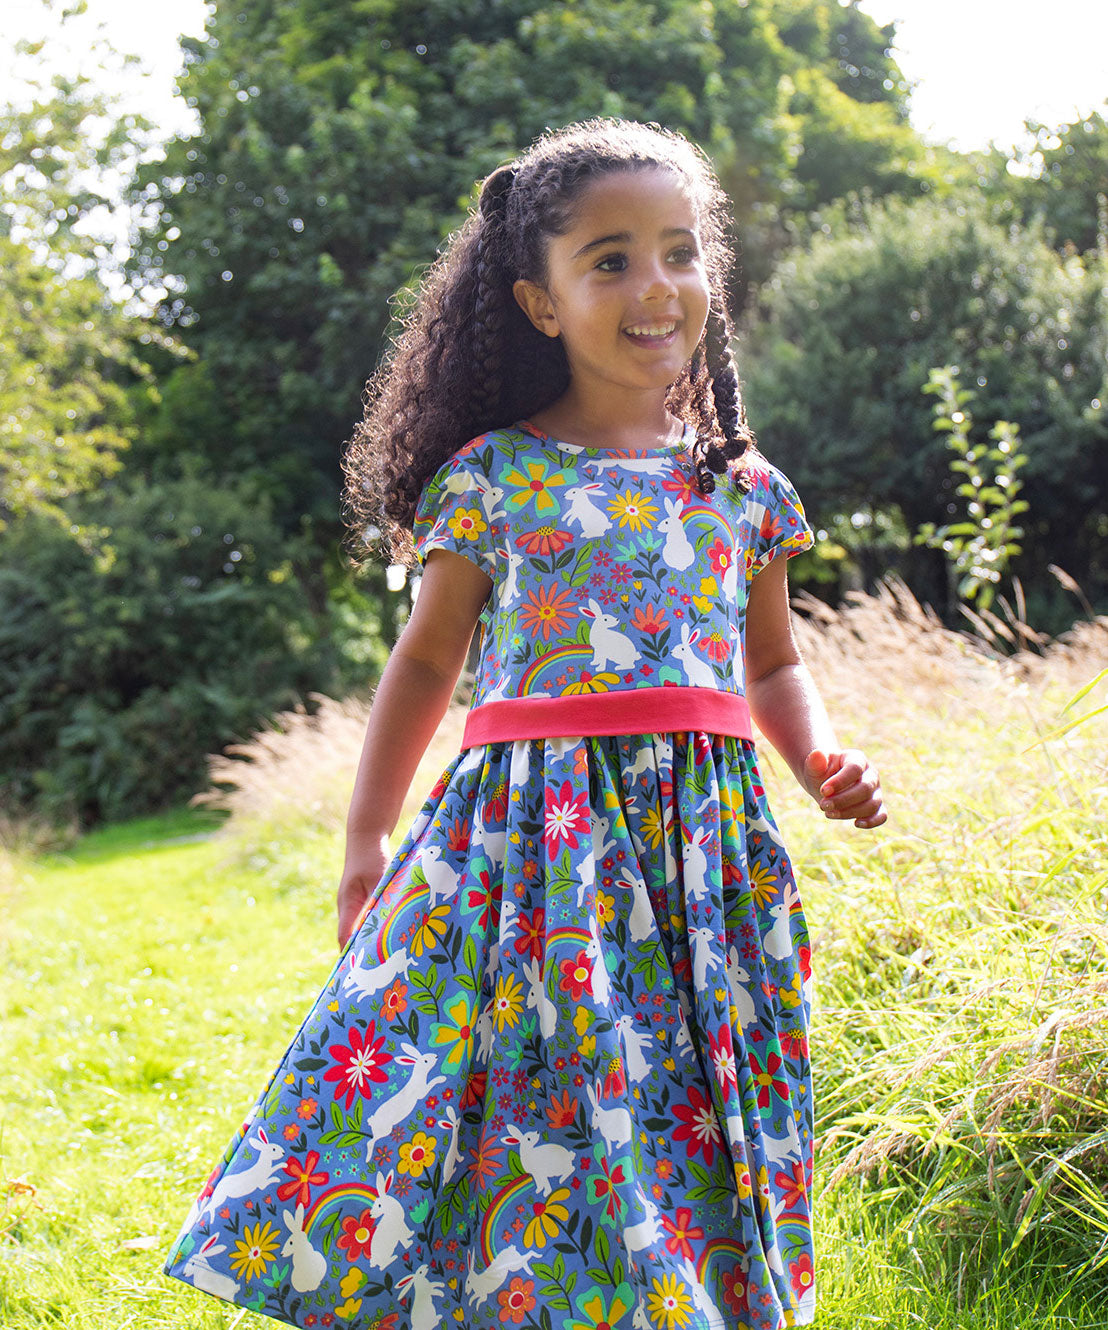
(558, 1077)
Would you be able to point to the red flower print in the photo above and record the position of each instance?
(496, 809)
(457, 835)
(614, 1080)
(683, 486)
(793, 1187)
(548, 612)
(681, 1235)
(356, 1236)
(532, 933)
(306, 1108)
(766, 1078)
(546, 540)
(567, 817)
(649, 620)
(801, 1274)
(794, 1043)
(486, 1158)
(303, 1177)
(576, 976)
(723, 1057)
(804, 959)
(474, 1093)
(516, 1300)
(770, 528)
(358, 1065)
(483, 897)
(721, 556)
(734, 1290)
(699, 1126)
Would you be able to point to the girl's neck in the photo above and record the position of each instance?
(639, 425)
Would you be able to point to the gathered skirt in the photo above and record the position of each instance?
(558, 1077)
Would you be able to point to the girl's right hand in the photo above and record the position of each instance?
(367, 857)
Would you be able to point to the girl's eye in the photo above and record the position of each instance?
(612, 263)
(684, 254)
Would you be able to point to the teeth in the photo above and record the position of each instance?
(652, 329)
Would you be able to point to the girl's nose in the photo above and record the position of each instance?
(659, 283)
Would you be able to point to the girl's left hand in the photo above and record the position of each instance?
(846, 785)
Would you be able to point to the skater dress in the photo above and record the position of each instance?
(558, 1077)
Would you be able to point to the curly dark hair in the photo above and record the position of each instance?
(469, 360)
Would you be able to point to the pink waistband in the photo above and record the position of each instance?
(629, 711)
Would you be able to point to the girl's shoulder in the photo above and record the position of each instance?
(490, 451)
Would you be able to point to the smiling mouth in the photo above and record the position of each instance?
(652, 333)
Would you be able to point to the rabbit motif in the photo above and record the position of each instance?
(640, 1236)
(453, 1157)
(778, 942)
(391, 1230)
(481, 1283)
(702, 941)
(491, 496)
(368, 980)
(695, 861)
(590, 519)
(678, 551)
(780, 1148)
(401, 1103)
(739, 982)
(509, 588)
(202, 1276)
(600, 979)
(641, 923)
(257, 1177)
(425, 1315)
(308, 1265)
(702, 1299)
(442, 880)
(538, 998)
(543, 1162)
(698, 672)
(614, 1124)
(634, 1044)
(608, 645)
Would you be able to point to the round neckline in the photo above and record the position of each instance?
(669, 450)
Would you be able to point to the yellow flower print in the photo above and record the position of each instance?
(432, 926)
(467, 524)
(653, 827)
(742, 1180)
(349, 1309)
(588, 1046)
(507, 1001)
(547, 1215)
(790, 997)
(256, 1249)
(582, 1019)
(417, 1155)
(536, 486)
(457, 1033)
(591, 683)
(352, 1283)
(732, 814)
(761, 884)
(669, 1302)
(605, 909)
(633, 509)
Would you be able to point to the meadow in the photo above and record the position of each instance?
(154, 971)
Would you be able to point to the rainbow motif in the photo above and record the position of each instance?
(330, 1200)
(717, 1247)
(708, 519)
(500, 1203)
(416, 894)
(568, 933)
(529, 683)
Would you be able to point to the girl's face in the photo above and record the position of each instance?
(626, 288)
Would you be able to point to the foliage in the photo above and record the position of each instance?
(1068, 184)
(120, 671)
(67, 350)
(851, 325)
(338, 145)
(979, 548)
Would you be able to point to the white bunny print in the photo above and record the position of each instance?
(308, 1265)
(609, 646)
(678, 551)
(543, 1162)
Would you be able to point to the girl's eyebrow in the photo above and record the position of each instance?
(625, 237)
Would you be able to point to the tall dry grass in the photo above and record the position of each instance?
(961, 1033)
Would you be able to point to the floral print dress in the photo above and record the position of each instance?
(559, 1076)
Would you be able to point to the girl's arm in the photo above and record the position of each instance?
(411, 699)
(788, 710)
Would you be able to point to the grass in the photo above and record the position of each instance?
(153, 973)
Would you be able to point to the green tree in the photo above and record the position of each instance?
(1068, 187)
(851, 327)
(339, 143)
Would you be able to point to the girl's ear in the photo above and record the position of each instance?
(535, 302)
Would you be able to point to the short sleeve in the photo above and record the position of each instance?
(451, 514)
(777, 520)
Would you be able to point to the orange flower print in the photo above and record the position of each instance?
(649, 620)
(516, 1300)
(561, 1112)
(721, 556)
(548, 612)
(576, 976)
(395, 1001)
(546, 540)
(715, 646)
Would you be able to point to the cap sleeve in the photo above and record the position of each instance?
(451, 514)
(777, 520)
